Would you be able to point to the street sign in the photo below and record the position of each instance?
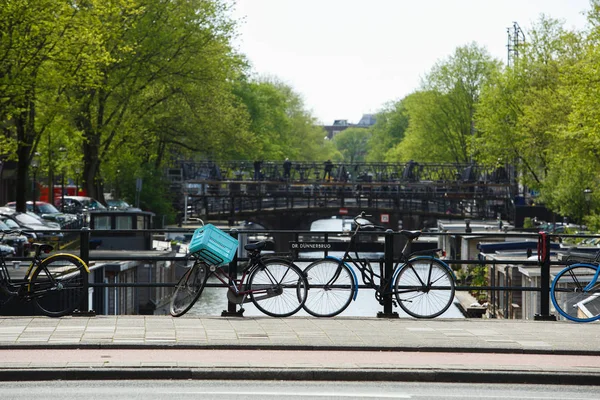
(385, 218)
(343, 211)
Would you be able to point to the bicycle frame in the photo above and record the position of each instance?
(367, 272)
(359, 263)
(236, 286)
(13, 287)
(595, 278)
(23, 288)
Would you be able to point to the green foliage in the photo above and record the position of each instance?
(279, 125)
(441, 115)
(541, 115)
(388, 131)
(352, 144)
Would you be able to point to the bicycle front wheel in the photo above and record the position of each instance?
(278, 288)
(424, 288)
(57, 285)
(189, 288)
(331, 288)
(569, 296)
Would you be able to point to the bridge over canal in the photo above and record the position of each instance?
(410, 195)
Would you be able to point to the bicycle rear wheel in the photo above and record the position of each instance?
(424, 288)
(278, 288)
(331, 288)
(189, 288)
(569, 297)
(57, 285)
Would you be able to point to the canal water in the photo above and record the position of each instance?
(214, 300)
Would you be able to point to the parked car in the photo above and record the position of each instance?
(79, 204)
(7, 251)
(119, 205)
(49, 212)
(44, 230)
(20, 243)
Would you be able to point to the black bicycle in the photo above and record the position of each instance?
(55, 284)
(422, 285)
(276, 286)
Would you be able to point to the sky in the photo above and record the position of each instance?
(346, 58)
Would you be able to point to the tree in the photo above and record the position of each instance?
(352, 144)
(166, 85)
(390, 127)
(441, 114)
(523, 113)
(38, 59)
(280, 126)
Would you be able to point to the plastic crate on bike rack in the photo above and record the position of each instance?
(213, 245)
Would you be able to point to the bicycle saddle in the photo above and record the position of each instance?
(42, 248)
(410, 235)
(256, 246)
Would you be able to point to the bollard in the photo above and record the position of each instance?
(388, 271)
(84, 254)
(231, 307)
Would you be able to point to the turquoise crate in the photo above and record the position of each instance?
(213, 245)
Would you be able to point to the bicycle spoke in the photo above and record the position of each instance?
(57, 285)
(278, 288)
(188, 289)
(331, 288)
(569, 297)
(421, 300)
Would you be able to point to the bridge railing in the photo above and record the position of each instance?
(505, 281)
(218, 200)
(313, 171)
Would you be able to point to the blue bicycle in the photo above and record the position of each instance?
(422, 285)
(575, 291)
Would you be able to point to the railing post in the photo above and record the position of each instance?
(84, 254)
(544, 259)
(232, 307)
(388, 271)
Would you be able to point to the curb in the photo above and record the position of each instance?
(288, 347)
(304, 374)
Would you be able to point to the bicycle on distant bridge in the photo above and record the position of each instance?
(422, 285)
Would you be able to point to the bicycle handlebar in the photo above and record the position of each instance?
(360, 225)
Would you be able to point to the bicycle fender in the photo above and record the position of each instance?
(351, 270)
(70, 255)
(397, 270)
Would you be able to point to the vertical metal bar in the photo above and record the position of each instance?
(386, 279)
(493, 294)
(233, 273)
(544, 253)
(84, 254)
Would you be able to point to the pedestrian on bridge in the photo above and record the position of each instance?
(328, 169)
(287, 167)
(257, 168)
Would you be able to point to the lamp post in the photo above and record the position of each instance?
(62, 151)
(35, 164)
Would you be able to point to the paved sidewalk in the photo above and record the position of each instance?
(142, 347)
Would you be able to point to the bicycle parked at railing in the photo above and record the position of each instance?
(55, 284)
(575, 291)
(276, 286)
(422, 285)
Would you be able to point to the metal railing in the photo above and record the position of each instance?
(387, 243)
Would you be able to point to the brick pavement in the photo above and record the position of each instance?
(298, 348)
